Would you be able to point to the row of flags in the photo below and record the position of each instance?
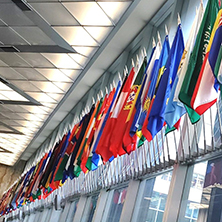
(171, 82)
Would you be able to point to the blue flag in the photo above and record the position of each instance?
(157, 72)
(156, 116)
(139, 101)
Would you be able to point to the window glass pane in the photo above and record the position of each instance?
(92, 207)
(191, 201)
(154, 198)
(72, 211)
(117, 205)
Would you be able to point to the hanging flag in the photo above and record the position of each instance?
(105, 125)
(129, 141)
(157, 72)
(156, 115)
(147, 80)
(119, 116)
(80, 154)
(85, 122)
(205, 92)
(175, 108)
(106, 139)
(35, 186)
(95, 158)
(218, 70)
(87, 146)
(125, 114)
(86, 159)
(198, 54)
(62, 173)
(95, 132)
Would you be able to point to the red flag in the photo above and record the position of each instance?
(119, 118)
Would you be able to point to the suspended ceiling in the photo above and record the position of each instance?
(51, 53)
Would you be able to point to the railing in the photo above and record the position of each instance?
(183, 146)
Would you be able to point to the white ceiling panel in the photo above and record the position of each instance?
(47, 87)
(10, 37)
(76, 36)
(36, 60)
(88, 13)
(13, 60)
(62, 61)
(114, 9)
(26, 86)
(60, 15)
(99, 33)
(29, 74)
(56, 96)
(10, 74)
(72, 73)
(12, 95)
(41, 97)
(15, 108)
(86, 51)
(2, 64)
(34, 35)
(2, 23)
(82, 60)
(62, 85)
(13, 16)
(35, 109)
(54, 75)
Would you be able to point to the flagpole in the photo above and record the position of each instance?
(164, 160)
(219, 118)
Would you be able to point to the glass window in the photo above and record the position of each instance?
(152, 199)
(90, 208)
(72, 210)
(191, 201)
(117, 205)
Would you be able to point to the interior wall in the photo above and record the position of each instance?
(8, 175)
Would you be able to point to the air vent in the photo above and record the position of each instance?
(8, 49)
(21, 5)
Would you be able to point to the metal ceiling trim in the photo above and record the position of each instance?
(3, 150)
(16, 89)
(47, 29)
(13, 131)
